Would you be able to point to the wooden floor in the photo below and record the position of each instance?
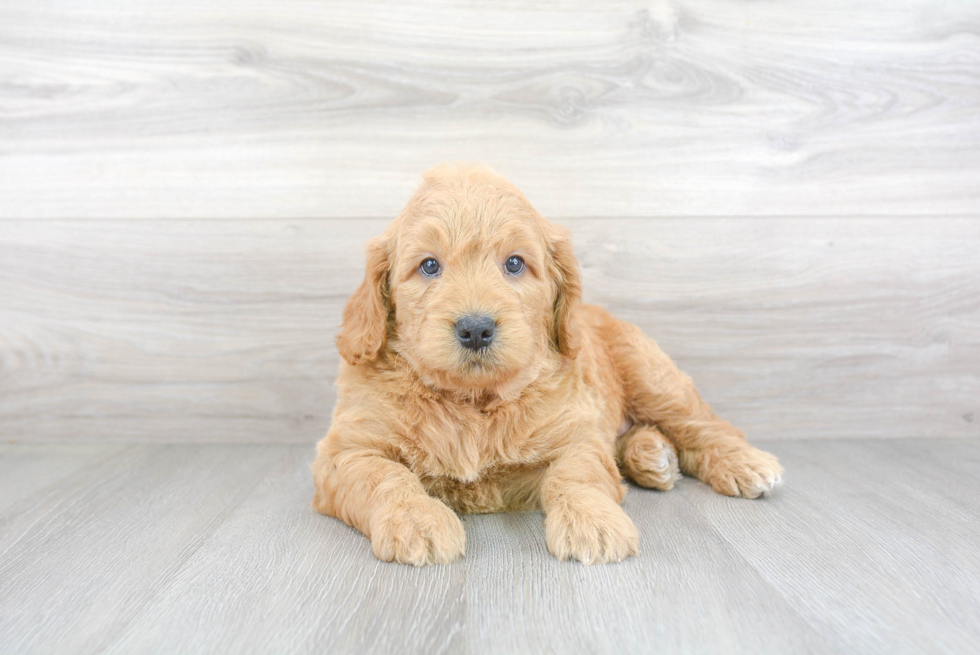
(870, 546)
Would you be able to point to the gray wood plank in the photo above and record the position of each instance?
(875, 560)
(686, 592)
(26, 469)
(94, 554)
(288, 109)
(203, 548)
(813, 328)
(223, 330)
(277, 577)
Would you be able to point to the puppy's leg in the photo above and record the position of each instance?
(708, 447)
(648, 458)
(386, 501)
(580, 494)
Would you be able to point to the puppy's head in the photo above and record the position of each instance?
(470, 285)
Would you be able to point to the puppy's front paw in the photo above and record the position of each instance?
(417, 531)
(744, 471)
(591, 528)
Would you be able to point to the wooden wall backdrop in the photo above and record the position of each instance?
(785, 195)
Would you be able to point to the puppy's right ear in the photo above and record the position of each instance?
(364, 331)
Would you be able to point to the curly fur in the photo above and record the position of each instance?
(544, 418)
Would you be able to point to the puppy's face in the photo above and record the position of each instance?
(476, 287)
(472, 295)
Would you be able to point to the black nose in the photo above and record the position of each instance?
(475, 332)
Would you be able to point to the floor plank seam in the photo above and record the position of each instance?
(50, 490)
(763, 577)
(180, 562)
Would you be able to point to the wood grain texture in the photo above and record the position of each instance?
(869, 546)
(291, 108)
(293, 581)
(223, 330)
(687, 591)
(892, 543)
(100, 546)
(28, 469)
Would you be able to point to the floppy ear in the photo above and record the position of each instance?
(569, 292)
(364, 331)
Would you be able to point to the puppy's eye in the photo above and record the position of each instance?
(514, 265)
(430, 267)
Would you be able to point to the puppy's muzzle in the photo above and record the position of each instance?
(475, 332)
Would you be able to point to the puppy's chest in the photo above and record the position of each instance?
(464, 443)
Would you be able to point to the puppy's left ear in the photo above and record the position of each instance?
(364, 331)
(568, 283)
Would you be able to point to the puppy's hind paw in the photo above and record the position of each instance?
(649, 459)
(744, 471)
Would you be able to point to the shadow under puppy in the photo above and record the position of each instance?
(475, 380)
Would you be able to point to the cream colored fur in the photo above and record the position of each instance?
(542, 419)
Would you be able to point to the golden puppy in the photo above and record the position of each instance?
(476, 381)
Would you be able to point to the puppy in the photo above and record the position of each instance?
(475, 380)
